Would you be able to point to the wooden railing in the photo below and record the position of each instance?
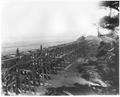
(26, 71)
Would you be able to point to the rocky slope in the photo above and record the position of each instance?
(84, 69)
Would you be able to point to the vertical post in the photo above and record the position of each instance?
(17, 52)
(42, 64)
(41, 48)
(17, 73)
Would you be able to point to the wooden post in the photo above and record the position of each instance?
(17, 52)
(17, 73)
(41, 48)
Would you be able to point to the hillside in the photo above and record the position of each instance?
(74, 65)
(84, 69)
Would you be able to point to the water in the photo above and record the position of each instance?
(10, 48)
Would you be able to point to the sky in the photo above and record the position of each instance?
(48, 20)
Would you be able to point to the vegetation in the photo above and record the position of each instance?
(111, 53)
(85, 66)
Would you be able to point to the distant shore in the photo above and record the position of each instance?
(11, 48)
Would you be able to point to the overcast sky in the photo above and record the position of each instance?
(48, 20)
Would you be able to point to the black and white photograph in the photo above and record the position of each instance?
(59, 47)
